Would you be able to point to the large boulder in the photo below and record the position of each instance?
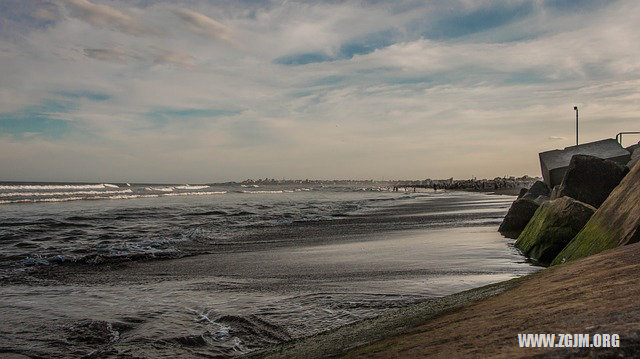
(590, 179)
(633, 147)
(635, 156)
(552, 227)
(538, 189)
(523, 191)
(518, 216)
(615, 223)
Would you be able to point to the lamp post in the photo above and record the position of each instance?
(576, 108)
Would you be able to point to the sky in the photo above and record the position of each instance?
(209, 91)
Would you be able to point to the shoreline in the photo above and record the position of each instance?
(592, 295)
(350, 337)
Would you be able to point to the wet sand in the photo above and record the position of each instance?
(598, 294)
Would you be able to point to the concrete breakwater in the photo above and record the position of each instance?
(595, 207)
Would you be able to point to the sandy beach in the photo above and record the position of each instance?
(593, 295)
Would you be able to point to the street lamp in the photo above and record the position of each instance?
(576, 108)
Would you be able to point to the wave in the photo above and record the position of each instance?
(160, 189)
(191, 187)
(171, 188)
(90, 198)
(56, 186)
(262, 192)
(195, 193)
(74, 193)
(67, 199)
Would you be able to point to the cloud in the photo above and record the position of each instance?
(165, 56)
(204, 25)
(379, 89)
(114, 55)
(153, 54)
(106, 16)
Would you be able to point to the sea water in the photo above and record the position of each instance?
(222, 270)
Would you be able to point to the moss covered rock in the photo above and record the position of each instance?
(635, 157)
(552, 227)
(615, 223)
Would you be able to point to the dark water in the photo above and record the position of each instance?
(177, 271)
(53, 223)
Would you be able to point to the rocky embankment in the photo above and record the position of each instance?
(595, 208)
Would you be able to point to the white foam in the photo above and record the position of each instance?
(262, 192)
(71, 193)
(160, 189)
(191, 187)
(55, 186)
(195, 193)
(67, 199)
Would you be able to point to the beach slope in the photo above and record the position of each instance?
(592, 295)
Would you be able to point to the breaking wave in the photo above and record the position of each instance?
(74, 193)
(55, 186)
(67, 199)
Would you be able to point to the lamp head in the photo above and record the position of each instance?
(575, 108)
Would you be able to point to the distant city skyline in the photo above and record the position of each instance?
(216, 91)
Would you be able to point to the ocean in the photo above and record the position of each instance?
(149, 270)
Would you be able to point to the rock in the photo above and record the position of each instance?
(541, 199)
(615, 223)
(635, 156)
(523, 191)
(552, 227)
(518, 216)
(539, 188)
(590, 179)
(633, 147)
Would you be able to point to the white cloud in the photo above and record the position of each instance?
(204, 25)
(106, 16)
(418, 108)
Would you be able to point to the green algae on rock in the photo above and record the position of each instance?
(615, 223)
(552, 227)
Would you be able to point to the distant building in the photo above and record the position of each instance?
(554, 163)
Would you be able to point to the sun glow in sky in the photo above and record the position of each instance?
(203, 91)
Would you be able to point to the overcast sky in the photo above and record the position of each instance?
(202, 91)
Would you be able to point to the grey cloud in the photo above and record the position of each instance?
(106, 16)
(47, 12)
(165, 56)
(113, 55)
(204, 25)
(154, 54)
